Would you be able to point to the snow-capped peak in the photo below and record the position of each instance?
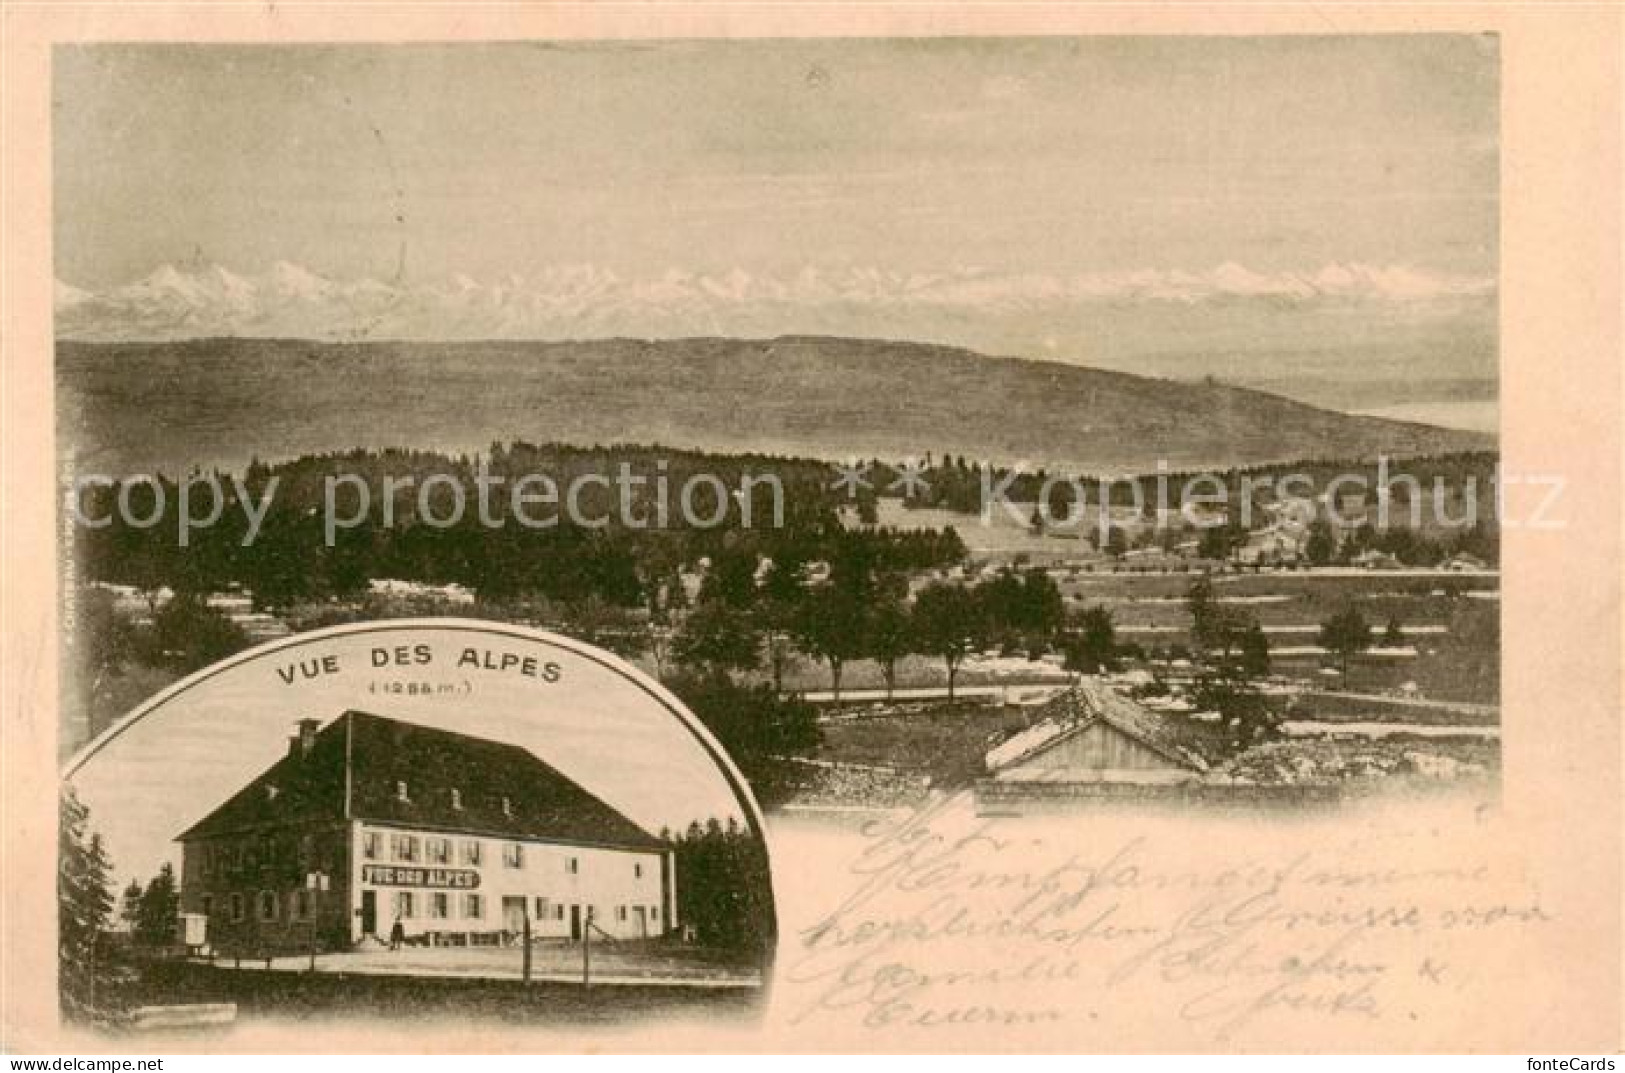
(296, 281)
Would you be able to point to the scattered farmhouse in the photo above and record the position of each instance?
(452, 593)
(1144, 559)
(231, 603)
(136, 604)
(1465, 563)
(371, 821)
(1278, 542)
(236, 605)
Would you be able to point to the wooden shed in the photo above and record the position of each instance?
(1092, 733)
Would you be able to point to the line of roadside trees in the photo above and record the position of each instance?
(753, 614)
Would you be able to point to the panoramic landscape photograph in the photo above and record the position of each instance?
(1049, 425)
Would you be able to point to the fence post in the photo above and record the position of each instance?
(586, 950)
(525, 933)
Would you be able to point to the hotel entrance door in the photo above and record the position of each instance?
(513, 914)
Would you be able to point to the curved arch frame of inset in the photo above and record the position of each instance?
(609, 661)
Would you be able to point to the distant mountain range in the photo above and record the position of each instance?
(1346, 336)
(170, 406)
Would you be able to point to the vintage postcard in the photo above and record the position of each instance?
(767, 529)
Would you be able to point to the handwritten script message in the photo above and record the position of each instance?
(1228, 927)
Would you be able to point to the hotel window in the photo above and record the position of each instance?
(558, 911)
(513, 855)
(471, 852)
(267, 905)
(620, 912)
(637, 871)
(654, 912)
(573, 866)
(473, 906)
(542, 911)
(403, 904)
(404, 847)
(370, 845)
(400, 792)
(440, 850)
(507, 807)
(301, 905)
(237, 908)
(456, 798)
(307, 849)
(439, 905)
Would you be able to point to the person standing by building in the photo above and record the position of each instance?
(397, 934)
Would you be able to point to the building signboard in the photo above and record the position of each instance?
(396, 876)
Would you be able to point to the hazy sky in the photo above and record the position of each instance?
(1056, 155)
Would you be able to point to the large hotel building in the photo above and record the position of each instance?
(369, 821)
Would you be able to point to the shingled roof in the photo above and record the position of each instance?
(1092, 701)
(454, 783)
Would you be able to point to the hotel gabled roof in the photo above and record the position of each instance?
(454, 783)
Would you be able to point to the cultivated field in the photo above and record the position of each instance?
(1449, 622)
(1424, 710)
